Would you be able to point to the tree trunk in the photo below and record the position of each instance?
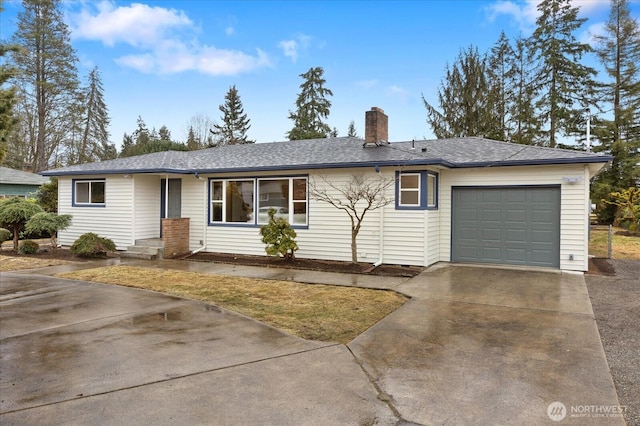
(354, 246)
(16, 236)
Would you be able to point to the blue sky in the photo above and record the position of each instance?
(168, 61)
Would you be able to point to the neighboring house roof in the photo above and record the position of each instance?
(336, 153)
(18, 177)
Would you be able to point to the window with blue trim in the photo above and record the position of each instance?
(249, 200)
(416, 190)
(89, 192)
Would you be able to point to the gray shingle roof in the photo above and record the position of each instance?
(336, 153)
(18, 177)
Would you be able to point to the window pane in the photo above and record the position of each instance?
(216, 190)
(82, 192)
(216, 211)
(97, 192)
(274, 193)
(300, 213)
(239, 201)
(300, 189)
(409, 198)
(431, 190)
(409, 181)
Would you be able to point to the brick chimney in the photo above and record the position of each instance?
(376, 126)
(27, 167)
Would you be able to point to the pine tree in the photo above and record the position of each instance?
(312, 108)
(565, 85)
(351, 131)
(164, 134)
(95, 137)
(526, 126)
(500, 72)
(141, 135)
(192, 143)
(7, 98)
(235, 123)
(464, 100)
(619, 50)
(46, 65)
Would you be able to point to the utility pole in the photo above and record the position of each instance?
(588, 111)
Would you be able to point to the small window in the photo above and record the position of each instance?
(432, 190)
(416, 190)
(88, 192)
(409, 190)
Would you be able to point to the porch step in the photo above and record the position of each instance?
(150, 242)
(147, 251)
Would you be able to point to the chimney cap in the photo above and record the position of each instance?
(375, 108)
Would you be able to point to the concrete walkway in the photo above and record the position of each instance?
(473, 346)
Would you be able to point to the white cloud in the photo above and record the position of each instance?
(524, 13)
(593, 30)
(397, 92)
(367, 84)
(292, 48)
(137, 25)
(164, 39)
(229, 31)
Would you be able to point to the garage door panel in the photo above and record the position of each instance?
(511, 225)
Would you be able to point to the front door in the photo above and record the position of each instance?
(170, 207)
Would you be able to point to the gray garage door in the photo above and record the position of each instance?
(506, 225)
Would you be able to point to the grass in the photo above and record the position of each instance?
(310, 311)
(13, 263)
(624, 247)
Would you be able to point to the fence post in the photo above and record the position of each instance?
(610, 241)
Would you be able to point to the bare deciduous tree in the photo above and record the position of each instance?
(361, 194)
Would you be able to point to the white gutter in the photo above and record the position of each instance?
(166, 196)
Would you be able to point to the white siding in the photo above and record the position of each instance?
(146, 206)
(573, 216)
(194, 206)
(114, 221)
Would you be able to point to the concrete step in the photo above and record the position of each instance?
(150, 242)
(137, 255)
(143, 252)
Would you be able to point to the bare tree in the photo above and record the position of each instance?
(361, 194)
(200, 125)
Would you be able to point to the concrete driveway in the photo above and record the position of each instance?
(472, 346)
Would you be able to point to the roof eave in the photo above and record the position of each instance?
(343, 165)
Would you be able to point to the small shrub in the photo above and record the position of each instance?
(5, 235)
(279, 237)
(28, 247)
(92, 245)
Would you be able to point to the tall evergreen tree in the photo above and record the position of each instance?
(95, 136)
(500, 72)
(565, 84)
(235, 123)
(351, 131)
(7, 98)
(619, 50)
(47, 71)
(526, 127)
(464, 99)
(192, 143)
(312, 108)
(164, 134)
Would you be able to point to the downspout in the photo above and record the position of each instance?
(204, 223)
(381, 231)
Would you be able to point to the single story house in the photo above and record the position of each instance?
(467, 199)
(19, 183)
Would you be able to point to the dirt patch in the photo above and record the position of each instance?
(600, 266)
(13, 261)
(309, 264)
